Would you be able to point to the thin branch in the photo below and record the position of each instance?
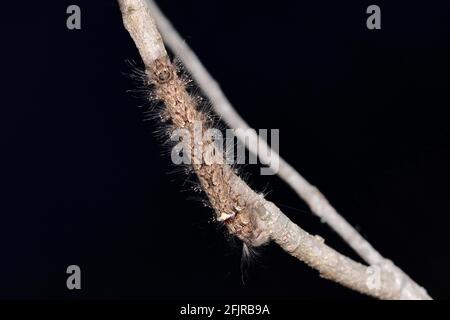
(245, 213)
(222, 106)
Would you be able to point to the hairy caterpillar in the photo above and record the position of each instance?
(176, 103)
(157, 111)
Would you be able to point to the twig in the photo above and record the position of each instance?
(222, 106)
(247, 214)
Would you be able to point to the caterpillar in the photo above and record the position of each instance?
(176, 104)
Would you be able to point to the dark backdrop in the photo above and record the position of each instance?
(362, 114)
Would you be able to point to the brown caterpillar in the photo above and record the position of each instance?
(232, 200)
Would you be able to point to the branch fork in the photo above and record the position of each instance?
(246, 213)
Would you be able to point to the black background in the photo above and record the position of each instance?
(362, 115)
